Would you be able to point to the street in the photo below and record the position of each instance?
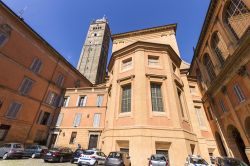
(31, 162)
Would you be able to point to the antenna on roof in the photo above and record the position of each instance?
(21, 12)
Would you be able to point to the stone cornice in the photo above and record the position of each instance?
(145, 31)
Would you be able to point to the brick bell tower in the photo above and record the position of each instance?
(93, 59)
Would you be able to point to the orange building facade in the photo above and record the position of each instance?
(33, 78)
(221, 64)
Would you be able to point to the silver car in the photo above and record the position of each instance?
(158, 160)
(11, 150)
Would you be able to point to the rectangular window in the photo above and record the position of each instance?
(52, 98)
(126, 64)
(156, 97)
(60, 80)
(239, 93)
(82, 101)
(77, 119)
(59, 119)
(73, 138)
(3, 38)
(65, 101)
(3, 131)
(13, 110)
(222, 106)
(96, 122)
(25, 86)
(99, 100)
(36, 65)
(162, 151)
(44, 118)
(153, 61)
(200, 116)
(126, 150)
(126, 98)
(181, 102)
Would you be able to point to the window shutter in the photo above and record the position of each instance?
(77, 102)
(13, 110)
(59, 120)
(49, 120)
(78, 119)
(40, 117)
(99, 100)
(96, 122)
(85, 100)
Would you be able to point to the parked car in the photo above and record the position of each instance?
(91, 157)
(76, 155)
(118, 159)
(35, 151)
(196, 160)
(11, 150)
(226, 161)
(58, 154)
(158, 160)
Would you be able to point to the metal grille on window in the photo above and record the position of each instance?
(36, 65)
(218, 47)
(209, 66)
(156, 97)
(25, 86)
(13, 110)
(73, 137)
(237, 17)
(239, 93)
(126, 98)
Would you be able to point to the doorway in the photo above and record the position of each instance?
(93, 139)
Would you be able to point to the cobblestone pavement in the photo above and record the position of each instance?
(31, 162)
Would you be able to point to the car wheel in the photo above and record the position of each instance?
(5, 156)
(33, 156)
(61, 159)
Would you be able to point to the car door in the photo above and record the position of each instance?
(103, 158)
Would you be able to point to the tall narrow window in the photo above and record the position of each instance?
(13, 110)
(60, 80)
(73, 138)
(218, 45)
(4, 131)
(126, 64)
(156, 97)
(52, 99)
(66, 101)
(96, 122)
(82, 101)
(99, 100)
(153, 61)
(25, 86)
(36, 65)
(200, 116)
(59, 119)
(209, 66)
(222, 106)
(44, 118)
(126, 98)
(181, 101)
(237, 17)
(77, 119)
(238, 92)
(5, 31)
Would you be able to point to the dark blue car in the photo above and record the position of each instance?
(35, 151)
(76, 155)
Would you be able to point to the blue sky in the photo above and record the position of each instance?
(64, 23)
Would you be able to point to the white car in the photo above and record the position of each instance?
(91, 157)
(195, 160)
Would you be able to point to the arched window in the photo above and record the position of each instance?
(219, 47)
(209, 66)
(237, 17)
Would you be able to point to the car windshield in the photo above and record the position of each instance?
(155, 157)
(79, 151)
(114, 155)
(197, 161)
(17, 146)
(234, 162)
(88, 152)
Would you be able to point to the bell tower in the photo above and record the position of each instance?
(93, 59)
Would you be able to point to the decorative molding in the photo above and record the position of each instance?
(131, 77)
(163, 77)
